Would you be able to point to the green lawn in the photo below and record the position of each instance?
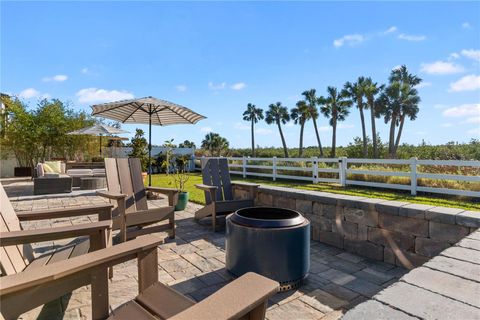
(197, 196)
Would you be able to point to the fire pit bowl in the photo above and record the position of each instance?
(273, 242)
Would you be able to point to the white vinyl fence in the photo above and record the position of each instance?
(344, 171)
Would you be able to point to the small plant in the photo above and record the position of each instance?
(181, 175)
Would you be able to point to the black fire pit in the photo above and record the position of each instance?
(272, 242)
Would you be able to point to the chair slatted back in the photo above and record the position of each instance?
(124, 175)
(215, 173)
(139, 191)
(13, 259)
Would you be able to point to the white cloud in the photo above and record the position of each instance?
(85, 71)
(57, 78)
(390, 30)
(90, 95)
(29, 93)
(467, 111)
(206, 129)
(441, 67)
(423, 84)
(349, 39)
(219, 86)
(471, 54)
(467, 83)
(447, 125)
(263, 131)
(241, 126)
(238, 86)
(466, 25)
(473, 120)
(181, 88)
(409, 37)
(454, 56)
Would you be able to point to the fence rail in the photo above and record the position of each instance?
(344, 171)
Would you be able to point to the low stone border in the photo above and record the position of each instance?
(396, 232)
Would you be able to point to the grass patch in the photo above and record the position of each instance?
(197, 196)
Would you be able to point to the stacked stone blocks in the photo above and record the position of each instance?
(395, 232)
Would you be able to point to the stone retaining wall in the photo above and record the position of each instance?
(398, 233)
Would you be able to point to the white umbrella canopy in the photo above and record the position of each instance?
(98, 129)
(148, 110)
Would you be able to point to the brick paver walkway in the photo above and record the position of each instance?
(194, 264)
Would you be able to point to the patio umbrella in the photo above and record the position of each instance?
(148, 110)
(98, 129)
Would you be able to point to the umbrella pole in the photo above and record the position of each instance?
(150, 149)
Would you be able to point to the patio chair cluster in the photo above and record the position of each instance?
(28, 282)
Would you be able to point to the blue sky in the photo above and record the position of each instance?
(215, 57)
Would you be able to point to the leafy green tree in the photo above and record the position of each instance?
(215, 144)
(312, 101)
(139, 147)
(279, 115)
(399, 101)
(300, 115)
(253, 114)
(356, 92)
(371, 90)
(335, 107)
(187, 144)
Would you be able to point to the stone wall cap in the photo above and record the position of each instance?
(468, 219)
(390, 207)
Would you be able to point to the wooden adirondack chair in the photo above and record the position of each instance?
(244, 298)
(129, 198)
(219, 196)
(16, 253)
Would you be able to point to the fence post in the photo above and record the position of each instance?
(244, 167)
(342, 166)
(274, 168)
(413, 176)
(315, 169)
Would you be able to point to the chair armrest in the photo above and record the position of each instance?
(162, 190)
(103, 211)
(234, 300)
(170, 192)
(111, 195)
(204, 187)
(86, 263)
(39, 235)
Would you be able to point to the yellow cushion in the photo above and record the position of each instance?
(54, 166)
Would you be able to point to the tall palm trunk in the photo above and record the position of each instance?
(399, 134)
(391, 138)
(318, 136)
(334, 138)
(374, 130)
(253, 139)
(285, 150)
(364, 132)
(300, 147)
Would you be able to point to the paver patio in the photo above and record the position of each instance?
(194, 264)
(446, 287)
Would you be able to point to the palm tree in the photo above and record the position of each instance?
(214, 144)
(399, 101)
(312, 102)
(300, 115)
(253, 114)
(370, 90)
(355, 91)
(335, 106)
(278, 114)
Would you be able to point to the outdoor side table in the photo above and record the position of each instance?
(47, 185)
